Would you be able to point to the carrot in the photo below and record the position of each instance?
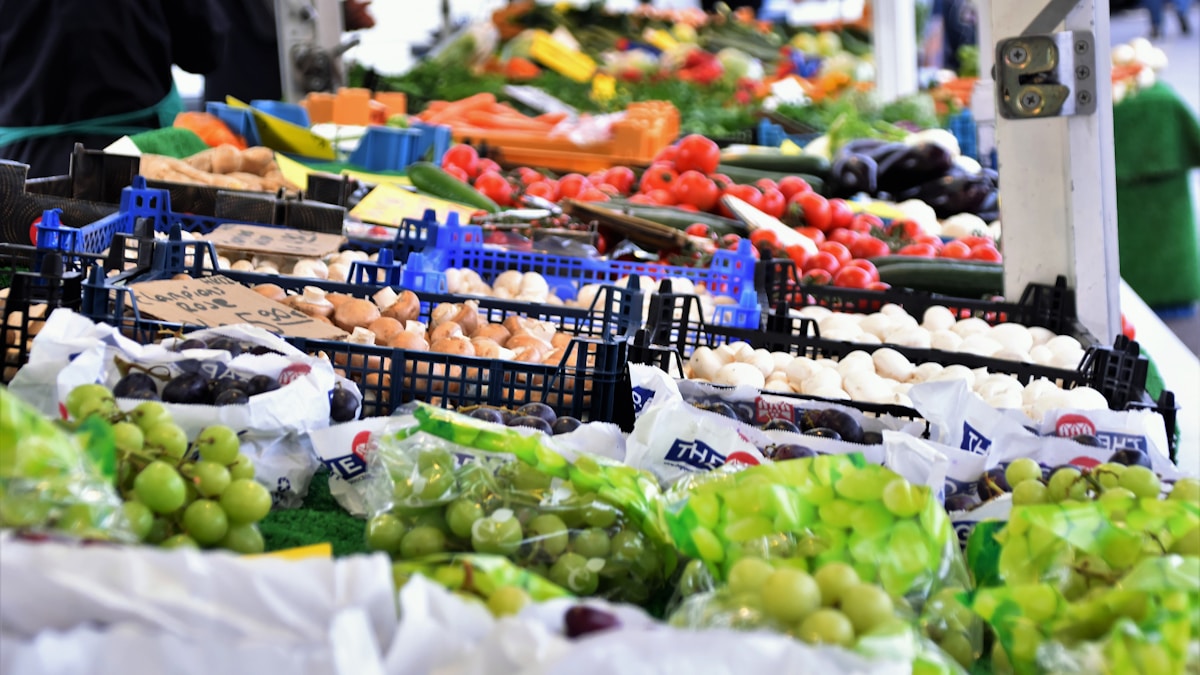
(552, 118)
(505, 122)
(456, 108)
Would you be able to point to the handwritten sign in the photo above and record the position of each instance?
(276, 240)
(220, 301)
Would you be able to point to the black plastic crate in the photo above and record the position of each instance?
(32, 297)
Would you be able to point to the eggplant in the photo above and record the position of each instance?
(915, 166)
(953, 194)
(852, 174)
(863, 146)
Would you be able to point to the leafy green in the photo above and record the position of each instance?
(968, 61)
(916, 108)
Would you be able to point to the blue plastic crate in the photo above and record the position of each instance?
(963, 127)
(393, 148)
(239, 120)
(288, 112)
(772, 135)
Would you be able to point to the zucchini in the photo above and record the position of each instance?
(958, 279)
(746, 176)
(888, 260)
(773, 159)
(679, 219)
(432, 180)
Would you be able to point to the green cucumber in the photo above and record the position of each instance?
(888, 260)
(433, 181)
(773, 159)
(746, 176)
(679, 219)
(964, 280)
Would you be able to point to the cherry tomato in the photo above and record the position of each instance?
(975, 240)
(844, 237)
(687, 207)
(869, 247)
(773, 203)
(693, 187)
(813, 233)
(642, 198)
(985, 252)
(657, 177)
(956, 250)
(723, 182)
(596, 177)
(730, 241)
(838, 250)
(464, 157)
(592, 194)
(529, 176)
(904, 228)
(866, 223)
(764, 237)
(667, 155)
(790, 186)
(458, 172)
(570, 185)
(816, 277)
(697, 153)
(840, 213)
(852, 277)
(816, 210)
(620, 177)
(822, 260)
(746, 193)
(765, 184)
(542, 189)
(865, 265)
(697, 230)
(798, 254)
(608, 190)
(921, 250)
(661, 197)
(486, 165)
(878, 286)
(494, 187)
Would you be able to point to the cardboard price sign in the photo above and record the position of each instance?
(219, 301)
(274, 240)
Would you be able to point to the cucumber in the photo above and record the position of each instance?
(433, 181)
(748, 176)
(958, 279)
(679, 219)
(888, 260)
(773, 159)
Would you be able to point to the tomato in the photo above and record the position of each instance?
(464, 157)
(657, 177)
(494, 187)
(956, 250)
(1127, 328)
(620, 177)
(816, 277)
(764, 237)
(975, 240)
(921, 250)
(697, 230)
(608, 190)
(840, 213)
(985, 252)
(746, 193)
(790, 186)
(904, 228)
(822, 260)
(486, 165)
(816, 210)
(529, 176)
(838, 250)
(798, 254)
(730, 241)
(458, 172)
(697, 153)
(844, 237)
(869, 247)
(542, 189)
(866, 223)
(773, 203)
(667, 155)
(693, 187)
(852, 277)
(592, 194)
(765, 184)
(570, 185)
(687, 207)
(642, 198)
(661, 197)
(813, 233)
(878, 286)
(723, 182)
(865, 265)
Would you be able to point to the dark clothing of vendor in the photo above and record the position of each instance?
(91, 71)
(250, 69)
(956, 23)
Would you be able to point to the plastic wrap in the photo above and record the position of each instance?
(477, 575)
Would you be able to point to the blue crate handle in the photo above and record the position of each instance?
(385, 271)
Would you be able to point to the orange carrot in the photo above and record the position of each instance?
(457, 108)
(552, 118)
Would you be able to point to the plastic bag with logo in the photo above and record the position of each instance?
(459, 484)
(1141, 430)
(961, 418)
(55, 480)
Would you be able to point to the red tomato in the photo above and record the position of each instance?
(864, 265)
(985, 252)
(698, 153)
(813, 233)
(773, 203)
(687, 207)
(529, 176)
(697, 230)
(494, 187)
(816, 210)
(723, 182)
(838, 250)
(458, 172)
(790, 186)
(878, 286)
(956, 250)
(464, 157)
(904, 228)
(975, 240)
(816, 277)
(844, 237)
(798, 255)
(866, 223)
(657, 177)
(592, 194)
(765, 184)
(620, 177)
(764, 237)
(667, 155)
(746, 193)
(642, 198)
(608, 190)
(921, 250)
(693, 187)
(852, 277)
(571, 185)
(542, 189)
(869, 247)
(822, 260)
(840, 214)
(486, 165)
(661, 197)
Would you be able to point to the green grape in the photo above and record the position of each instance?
(627, 546)
(868, 547)
(245, 501)
(1029, 492)
(1152, 658)
(576, 573)
(1022, 470)
(790, 595)
(592, 543)
(210, 478)
(694, 578)
(244, 539)
(874, 518)
(867, 606)
(904, 499)
(179, 541)
(461, 514)
(1141, 481)
(827, 627)
(499, 533)
(599, 514)
(434, 483)
(508, 601)
(422, 541)
(958, 646)
(140, 518)
(748, 575)
(450, 576)
(167, 440)
(159, 531)
(549, 533)
(1000, 663)
(862, 484)
(1117, 501)
(87, 398)
(77, 519)
(149, 414)
(432, 518)
(384, 533)
(242, 469)
(1060, 483)
(526, 478)
(1108, 475)
(160, 487)
(128, 437)
(430, 459)
(1038, 602)
(838, 513)
(105, 408)
(908, 552)
(1188, 544)
(833, 579)
(1026, 638)
(1186, 490)
(205, 522)
(218, 444)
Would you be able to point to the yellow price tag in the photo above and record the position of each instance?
(788, 147)
(389, 204)
(323, 550)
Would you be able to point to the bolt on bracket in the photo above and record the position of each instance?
(1046, 75)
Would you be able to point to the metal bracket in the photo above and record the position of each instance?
(1046, 75)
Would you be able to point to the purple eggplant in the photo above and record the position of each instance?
(954, 193)
(852, 174)
(915, 166)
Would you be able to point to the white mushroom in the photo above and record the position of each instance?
(910, 336)
(892, 364)
(945, 340)
(938, 318)
(971, 326)
(926, 371)
(1013, 336)
(740, 374)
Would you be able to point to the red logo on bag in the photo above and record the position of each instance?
(765, 411)
(359, 445)
(1086, 462)
(293, 372)
(742, 458)
(1070, 426)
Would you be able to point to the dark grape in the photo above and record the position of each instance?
(261, 384)
(824, 432)
(719, 407)
(259, 350)
(581, 620)
(186, 388)
(225, 384)
(842, 422)
(343, 405)
(225, 344)
(780, 425)
(538, 410)
(231, 397)
(992, 483)
(532, 422)
(190, 343)
(792, 451)
(487, 415)
(964, 501)
(1087, 439)
(135, 381)
(143, 395)
(1130, 457)
(872, 438)
(565, 425)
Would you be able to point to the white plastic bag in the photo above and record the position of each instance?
(673, 438)
(1142, 430)
(961, 418)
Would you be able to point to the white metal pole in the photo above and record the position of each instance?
(895, 38)
(1058, 187)
(983, 97)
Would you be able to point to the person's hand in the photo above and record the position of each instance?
(356, 15)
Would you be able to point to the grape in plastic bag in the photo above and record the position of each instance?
(479, 577)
